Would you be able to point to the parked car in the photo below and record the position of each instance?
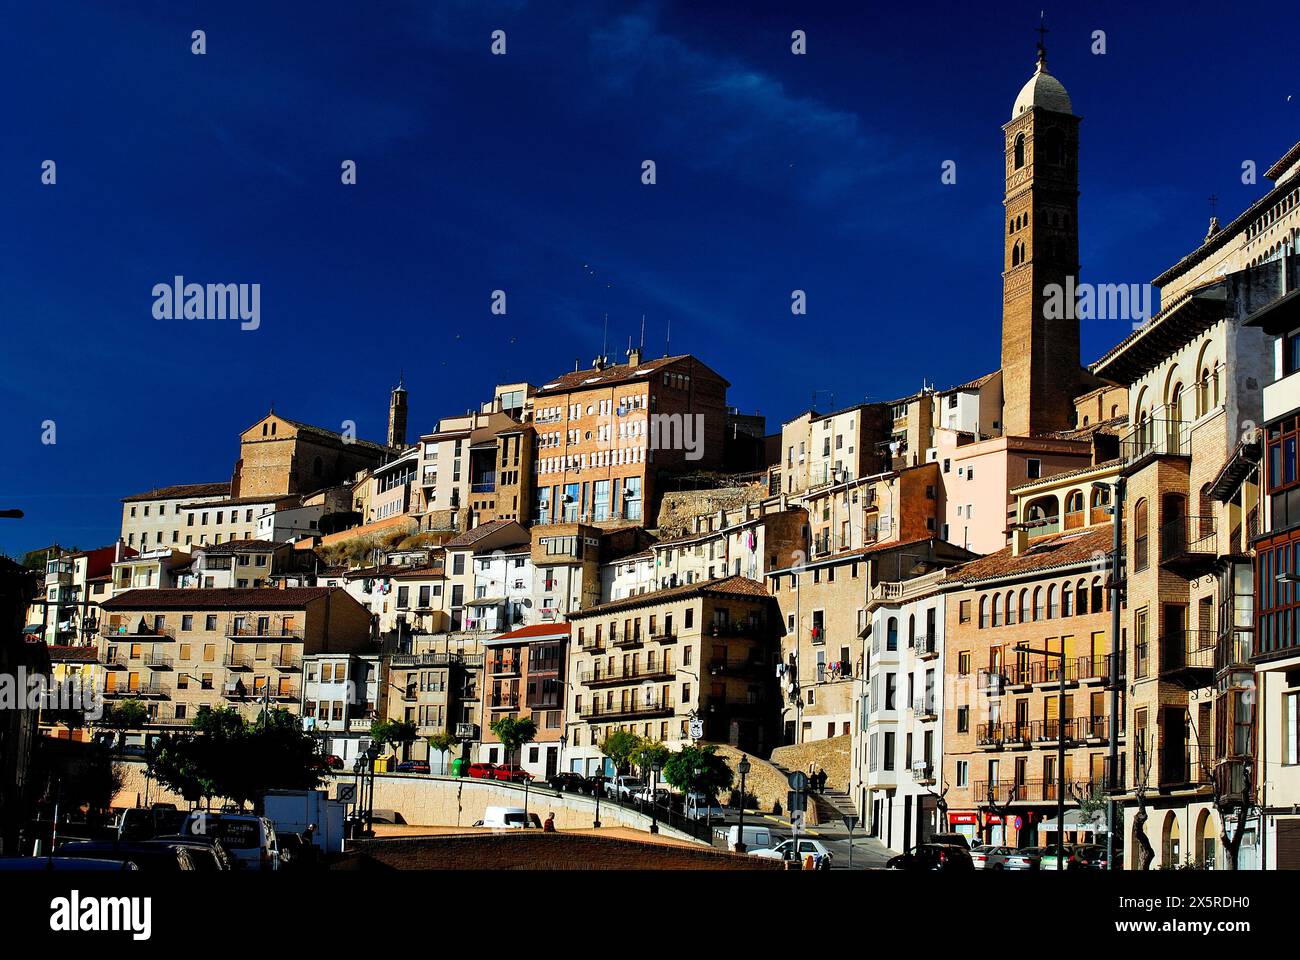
(482, 771)
(333, 761)
(1078, 856)
(412, 766)
(212, 843)
(140, 823)
(150, 857)
(756, 837)
(507, 818)
(571, 783)
(954, 839)
(512, 773)
(699, 807)
(1007, 858)
(250, 840)
(46, 864)
(204, 856)
(787, 850)
(659, 795)
(622, 788)
(948, 857)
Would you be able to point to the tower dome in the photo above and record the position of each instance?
(1043, 90)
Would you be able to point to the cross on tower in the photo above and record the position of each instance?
(1214, 204)
(1041, 30)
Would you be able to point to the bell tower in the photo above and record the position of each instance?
(1040, 355)
(397, 416)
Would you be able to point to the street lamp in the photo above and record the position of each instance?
(1060, 749)
(372, 754)
(655, 769)
(743, 769)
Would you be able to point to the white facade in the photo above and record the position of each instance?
(503, 591)
(340, 694)
(898, 729)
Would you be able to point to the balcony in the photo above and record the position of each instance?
(992, 684)
(231, 662)
(1181, 767)
(1096, 729)
(503, 667)
(1187, 657)
(1234, 650)
(158, 661)
(1049, 731)
(634, 639)
(923, 771)
(1189, 545)
(601, 678)
(1156, 438)
(925, 647)
(925, 709)
(666, 636)
(738, 668)
(115, 630)
(286, 662)
(408, 660)
(1230, 776)
(267, 633)
(655, 707)
(503, 701)
(150, 688)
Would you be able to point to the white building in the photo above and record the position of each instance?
(898, 728)
(503, 590)
(340, 697)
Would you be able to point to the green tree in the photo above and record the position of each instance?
(122, 717)
(513, 732)
(394, 733)
(649, 752)
(700, 769)
(619, 746)
(442, 742)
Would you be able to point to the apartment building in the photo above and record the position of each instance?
(467, 554)
(525, 675)
(241, 564)
(158, 567)
(74, 672)
(76, 584)
(208, 522)
(896, 778)
(503, 588)
(885, 507)
(180, 650)
(823, 448)
(1192, 375)
(1002, 728)
(651, 663)
(342, 695)
(823, 606)
(566, 564)
(279, 457)
(608, 437)
(155, 518)
(461, 464)
(393, 487)
(436, 685)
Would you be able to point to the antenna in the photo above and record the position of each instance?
(604, 343)
(643, 331)
(668, 338)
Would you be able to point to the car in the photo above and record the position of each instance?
(150, 857)
(1006, 858)
(508, 818)
(756, 837)
(511, 773)
(482, 771)
(204, 856)
(788, 850)
(947, 857)
(570, 783)
(249, 839)
(333, 761)
(658, 795)
(47, 864)
(953, 839)
(412, 766)
(622, 788)
(1078, 856)
(140, 823)
(212, 843)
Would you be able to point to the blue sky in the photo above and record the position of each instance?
(522, 173)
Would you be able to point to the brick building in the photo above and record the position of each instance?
(525, 675)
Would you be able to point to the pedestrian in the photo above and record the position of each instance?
(549, 825)
(821, 780)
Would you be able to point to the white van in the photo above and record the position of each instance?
(756, 837)
(249, 839)
(508, 818)
(698, 807)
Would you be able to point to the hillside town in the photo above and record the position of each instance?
(1052, 604)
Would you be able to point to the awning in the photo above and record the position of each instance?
(1074, 820)
(486, 602)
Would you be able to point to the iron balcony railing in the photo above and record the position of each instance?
(1162, 437)
(925, 707)
(639, 708)
(1188, 540)
(1187, 652)
(925, 646)
(1181, 766)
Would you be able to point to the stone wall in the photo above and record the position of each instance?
(832, 755)
(680, 507)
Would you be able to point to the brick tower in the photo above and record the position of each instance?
(397, 417)
(1040, 356)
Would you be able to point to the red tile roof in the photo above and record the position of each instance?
(537, 631)
(475, 534)
(182, 491)
(64, 654)
(290, 598)
(1069, 549)
(614, 374)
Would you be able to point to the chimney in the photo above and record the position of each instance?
(1019, 541)
(634, 357)
(577, 364)
(599, 362)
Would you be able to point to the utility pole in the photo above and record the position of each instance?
(1116, 600)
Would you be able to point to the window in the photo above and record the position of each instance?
(1034, 468)
(1018, 152)
(963, 772)
(1140, 536)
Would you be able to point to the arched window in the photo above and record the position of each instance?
(1009, 602)
(1098, 596)
(911, 630)
(1067, 601)
(984, 612)
(891, 634)
(1024, 606)
(1015, 255)
(273, 428)
(1081, 598)
(1019, 151)
(264, 428)
(1038, 603)
(1053, 603)
(1074, 509)
(1141, 535)
(997, 611)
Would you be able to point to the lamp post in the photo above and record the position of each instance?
(655, 769)
(372, 754)
(743, 769)
(358, 768)
(1060, 749)
(597, 792)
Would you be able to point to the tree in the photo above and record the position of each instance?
(700, 769)
(619, 746)
(513, 732)
(1146, 856)
(649, 752)
(442, 742)
(124, 716)
(394, 733)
